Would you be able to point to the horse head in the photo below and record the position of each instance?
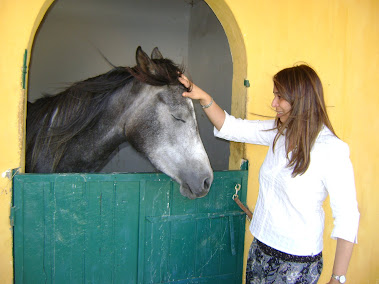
(142, 105)
(162, 125)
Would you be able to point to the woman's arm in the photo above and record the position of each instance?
(338, 179)
(344, 251)
(215, 114)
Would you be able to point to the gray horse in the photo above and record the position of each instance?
(79, 128)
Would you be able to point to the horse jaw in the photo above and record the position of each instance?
(162, 126)
(189, 166)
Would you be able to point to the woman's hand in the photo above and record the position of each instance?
(215, 114)
(195, 92)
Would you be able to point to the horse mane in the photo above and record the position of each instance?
(165, 73)
(54, 121)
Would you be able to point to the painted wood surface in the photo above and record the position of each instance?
(126, 228)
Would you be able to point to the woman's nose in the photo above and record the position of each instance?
(275, 102)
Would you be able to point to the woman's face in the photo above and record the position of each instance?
(282, 107)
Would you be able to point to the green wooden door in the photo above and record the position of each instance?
(126, 228)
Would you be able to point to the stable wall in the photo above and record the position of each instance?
(338, 38)
(18, 23)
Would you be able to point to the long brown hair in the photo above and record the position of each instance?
(302, 88)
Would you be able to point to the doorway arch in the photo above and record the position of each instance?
(238, 53)
(68, 41)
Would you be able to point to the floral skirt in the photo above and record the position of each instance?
(266, 265)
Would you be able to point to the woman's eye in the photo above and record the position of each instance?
(177, 118)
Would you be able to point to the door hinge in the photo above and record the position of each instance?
(11, 217)
(24, 69)
(246, 83)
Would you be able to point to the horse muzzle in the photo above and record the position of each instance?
(195, 185)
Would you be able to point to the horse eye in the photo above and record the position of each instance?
(179, 119)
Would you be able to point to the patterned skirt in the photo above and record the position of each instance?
(266, 265)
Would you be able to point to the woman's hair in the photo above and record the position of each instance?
(302, 88)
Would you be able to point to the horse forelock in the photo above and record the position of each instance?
(162, 72)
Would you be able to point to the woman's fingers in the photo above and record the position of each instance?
(184, 80)
(194, 91)
(187, 83)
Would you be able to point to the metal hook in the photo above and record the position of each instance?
(237, 188)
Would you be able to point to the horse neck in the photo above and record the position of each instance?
(98, 142)
(109, 132)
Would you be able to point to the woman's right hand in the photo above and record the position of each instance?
(195, 92)
(215, 114)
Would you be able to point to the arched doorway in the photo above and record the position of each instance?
(66, 46)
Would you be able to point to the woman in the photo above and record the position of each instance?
(305, 162)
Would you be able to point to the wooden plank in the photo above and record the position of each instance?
(141, 232)
(99, 260)
(67, 229)
(126, 232)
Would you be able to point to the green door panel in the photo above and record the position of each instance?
(126, 228)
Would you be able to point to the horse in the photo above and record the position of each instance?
(77, 129)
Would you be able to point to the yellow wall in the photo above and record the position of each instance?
(18, 23)
(339, 38)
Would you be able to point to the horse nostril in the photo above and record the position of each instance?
(207, 183)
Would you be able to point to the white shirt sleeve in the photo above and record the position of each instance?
(259, 132)
(340, 184)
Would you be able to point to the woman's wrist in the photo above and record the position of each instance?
(333, 281)
(207, 105)
(204, 102)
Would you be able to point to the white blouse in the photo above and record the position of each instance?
(288, 215)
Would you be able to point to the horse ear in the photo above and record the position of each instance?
(156, 54)
(144, 62)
